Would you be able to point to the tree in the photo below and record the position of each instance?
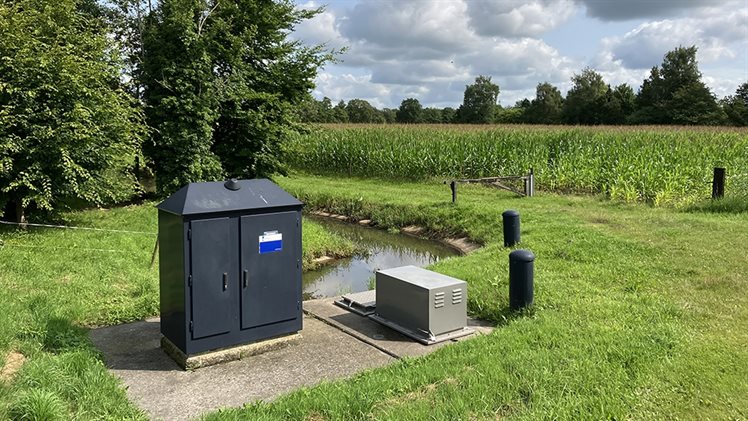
(736, 106)
(449, 115)
(586, 93)
(479, 101)
(694, 104)
(360, 111)
(181, 98)
(675, 94)
(67, 130)
(127, 20)
(432, 116)
(626, 97)
(510, 115)
(410, 111)
(390, 115)
(547, 106)
(222, 81)
(650, 100)
(339, 113)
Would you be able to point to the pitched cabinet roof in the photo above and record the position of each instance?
(220, 196)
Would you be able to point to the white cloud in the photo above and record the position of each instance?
(518, 18)
(720, 33)
(646, 45)
(322, 29)
(431, 49)
(396, 24)
(348, 86)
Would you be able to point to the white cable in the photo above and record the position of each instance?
(77, 228)
(3, 245)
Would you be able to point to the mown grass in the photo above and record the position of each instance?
(657, 165)
(640, 312)
(55, 283)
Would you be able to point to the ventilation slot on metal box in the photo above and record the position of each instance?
(439, 300)
(457, 296)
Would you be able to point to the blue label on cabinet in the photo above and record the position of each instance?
(271, 241)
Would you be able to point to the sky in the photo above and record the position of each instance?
(431, 49)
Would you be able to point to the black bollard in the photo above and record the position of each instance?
(521, 283)
(511, 227)
(718, 183)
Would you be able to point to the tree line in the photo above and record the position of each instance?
(673, 93)
(94, 91)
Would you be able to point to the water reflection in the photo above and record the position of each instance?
(385, 251)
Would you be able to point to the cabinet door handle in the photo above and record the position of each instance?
(245, 276)
(225, 280)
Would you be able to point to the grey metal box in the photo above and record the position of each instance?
(421, 300)
(229, 264)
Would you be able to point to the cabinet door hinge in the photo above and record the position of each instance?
(189, 281)
(189, 234)
(191, 327)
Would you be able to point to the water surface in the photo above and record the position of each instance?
(385, 251)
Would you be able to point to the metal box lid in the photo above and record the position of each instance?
(219, 196)
(420, 277)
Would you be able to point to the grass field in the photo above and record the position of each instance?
(641, 312)
(660, 165)
(54, 283)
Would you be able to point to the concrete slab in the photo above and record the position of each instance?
(334, 344)
(160, 387)
(379, 336)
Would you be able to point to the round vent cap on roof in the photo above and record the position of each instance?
(232, 184)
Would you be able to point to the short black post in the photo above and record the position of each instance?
(511, 227)
(531, 182)
(521, 279)
(718, 183)
(453, 186)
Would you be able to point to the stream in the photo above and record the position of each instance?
(385, 250)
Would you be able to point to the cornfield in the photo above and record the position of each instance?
(653, 164)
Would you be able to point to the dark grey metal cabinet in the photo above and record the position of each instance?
(230, 264)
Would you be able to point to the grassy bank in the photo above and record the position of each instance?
(641, 313)
(55, 282)
(660, 165)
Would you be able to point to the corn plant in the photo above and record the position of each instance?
(660, 165)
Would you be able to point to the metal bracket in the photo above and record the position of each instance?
(529, 184)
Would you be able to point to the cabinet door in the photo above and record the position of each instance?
(213, 259)
(270, 268)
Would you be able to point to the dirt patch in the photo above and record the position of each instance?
(599, 220)
(315, 416)
(13, 362)
(323, 260)
(464, 245)
(413, 230)
(423, 392)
